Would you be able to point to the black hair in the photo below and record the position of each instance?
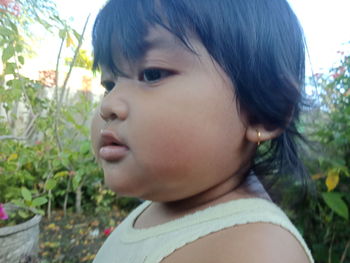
(258, 43)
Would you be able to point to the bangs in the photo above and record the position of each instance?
(122, 26)
(258, 43)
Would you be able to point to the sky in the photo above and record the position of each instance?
(326, 25)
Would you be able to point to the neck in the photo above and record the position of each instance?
(162, 212)
(234, 188)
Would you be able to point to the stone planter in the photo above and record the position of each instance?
(19, 243)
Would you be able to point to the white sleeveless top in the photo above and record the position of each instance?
(150, 245)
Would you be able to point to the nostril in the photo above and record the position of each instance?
(111, 116)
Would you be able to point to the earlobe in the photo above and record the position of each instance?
(259, 134)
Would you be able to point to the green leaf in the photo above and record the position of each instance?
(16, 84)
(19, 47)
(337, 204)
(14, 27)
(5, 31)
(61, 174)
(69, 117)
(77, 179)
(76, 34)
(21, 59)
(85, 147)
(62, 33)
(56, 163)
(38, 211)
(18, 202)
(23, 214)
(27, 195)
(65, 162)
(50, 184)
(10, 68)
(39, 201)
(7, 53)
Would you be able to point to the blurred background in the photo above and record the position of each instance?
(48, 94)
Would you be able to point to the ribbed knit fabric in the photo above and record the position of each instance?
(150, 245)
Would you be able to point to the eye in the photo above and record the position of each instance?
(108, 85)
(152, 75)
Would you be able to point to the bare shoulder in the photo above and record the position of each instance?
(250, 243)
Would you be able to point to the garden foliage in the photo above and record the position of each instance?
(45, 158)
(46, 161)
(324, 219)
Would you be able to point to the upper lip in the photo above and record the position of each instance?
(110, 138)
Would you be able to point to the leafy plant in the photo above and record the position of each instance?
(324, 220)
(10, 216)
(45, 159)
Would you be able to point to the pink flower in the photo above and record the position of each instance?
(3, 214)
(336, 75)
(342, 70)
(318, 75)
(108, 231)
(10, 6)
(5, 2)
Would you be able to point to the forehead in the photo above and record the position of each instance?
(156, 37)
(160, 38)
(158, 45)
(157, 40)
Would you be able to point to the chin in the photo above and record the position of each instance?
(121, 187)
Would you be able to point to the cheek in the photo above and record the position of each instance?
(194, 138)
(96, 125)
(162, 146)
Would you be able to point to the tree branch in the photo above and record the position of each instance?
(12, 137)
(73, 61)
(20, 138)
(342, 260)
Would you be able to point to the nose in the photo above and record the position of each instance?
(113, 106)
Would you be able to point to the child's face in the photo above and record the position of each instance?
(179, 122)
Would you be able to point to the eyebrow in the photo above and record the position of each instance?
(160, 43)
(170, 45)
(166, 44)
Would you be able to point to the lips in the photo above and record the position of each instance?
(109, 138)
(112, 149)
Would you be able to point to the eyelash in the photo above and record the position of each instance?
(160, 74)
(108, 86)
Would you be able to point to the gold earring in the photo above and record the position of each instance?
(259, 136)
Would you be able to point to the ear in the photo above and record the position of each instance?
(259, 134)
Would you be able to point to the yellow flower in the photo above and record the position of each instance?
(332, 179)
(12, 157)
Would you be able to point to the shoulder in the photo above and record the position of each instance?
(249, 243)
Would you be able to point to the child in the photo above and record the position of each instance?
(193, 87)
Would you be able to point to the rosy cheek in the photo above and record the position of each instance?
(172, 149)
(161, 149)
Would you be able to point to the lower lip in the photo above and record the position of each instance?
(113, 152)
